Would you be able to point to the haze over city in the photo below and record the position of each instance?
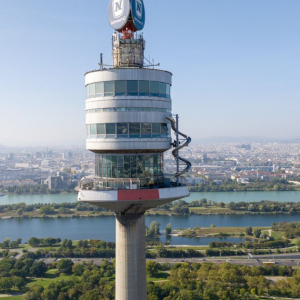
(235, 64)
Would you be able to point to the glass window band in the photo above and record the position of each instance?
(126, 109)
(129, 88)
(129, 130)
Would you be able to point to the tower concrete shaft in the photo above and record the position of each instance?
(131, 281)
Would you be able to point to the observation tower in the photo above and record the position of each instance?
(129, 121)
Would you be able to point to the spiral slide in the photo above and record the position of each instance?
(186, 142)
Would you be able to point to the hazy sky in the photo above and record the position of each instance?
(236, 66)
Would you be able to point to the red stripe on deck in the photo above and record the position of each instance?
(138, 195)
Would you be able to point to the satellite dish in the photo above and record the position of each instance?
(126, 13)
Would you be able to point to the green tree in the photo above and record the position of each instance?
(20, 212)
(169, 229)
(203, 201)
(33, 242)
(13, 244)
(6, 243)
(6, 284)
(69, 244)
(152, 268)
(38, 269)
(249, 230)
(153, 230)
(65, 266)
(35, 293)
(257, 232)
(47, 210)
(18, 282)
(78, 269)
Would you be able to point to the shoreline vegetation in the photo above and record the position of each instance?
(256, 185)
(227, 185)
(39, 189)
(180, 207)
(278, 238)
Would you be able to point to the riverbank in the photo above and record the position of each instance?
(42, 194)
(88, 214)
(104, 227)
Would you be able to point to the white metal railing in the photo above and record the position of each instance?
(109, 184)
(115, 184)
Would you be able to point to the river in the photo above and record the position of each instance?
(225, 197)
(104, 227)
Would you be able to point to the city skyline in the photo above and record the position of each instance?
(235, 65)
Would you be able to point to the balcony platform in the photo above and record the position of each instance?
(132, 201)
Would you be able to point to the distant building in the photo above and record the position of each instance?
(243, 180)
(46, 163)
(10, 156)
(22, 165)
(38, 155)
(204, 158)
(218, 182)
(194, 181)
(59, 182)
(10, 183)
(246, 146)
(54, 183)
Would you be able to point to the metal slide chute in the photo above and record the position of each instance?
(187, 140)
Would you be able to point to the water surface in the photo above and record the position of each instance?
(104, 227)
(225, 197)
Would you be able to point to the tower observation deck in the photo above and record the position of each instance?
(129, 122)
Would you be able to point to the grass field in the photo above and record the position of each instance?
(210, 210)
(197, 248)
(228, 230)
(277, 235)
(160, 276)
(36, 214)
(49, 277)
(12, 298)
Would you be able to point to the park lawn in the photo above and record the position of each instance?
(277, 235)
(28, 247)
(210, 209)
(160, 276)
(295, 241)
(265, 232)
(12, 298)
(49, 277)
(196, 248)
(229, 230)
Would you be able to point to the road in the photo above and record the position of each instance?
(258, 260)
(245, 262)
(280, 260)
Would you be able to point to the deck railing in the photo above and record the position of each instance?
(115, 184)
(109, 184)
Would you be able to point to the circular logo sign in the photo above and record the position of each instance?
(139, 9)
(118, 8)
(138, 13)
(118, 13)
